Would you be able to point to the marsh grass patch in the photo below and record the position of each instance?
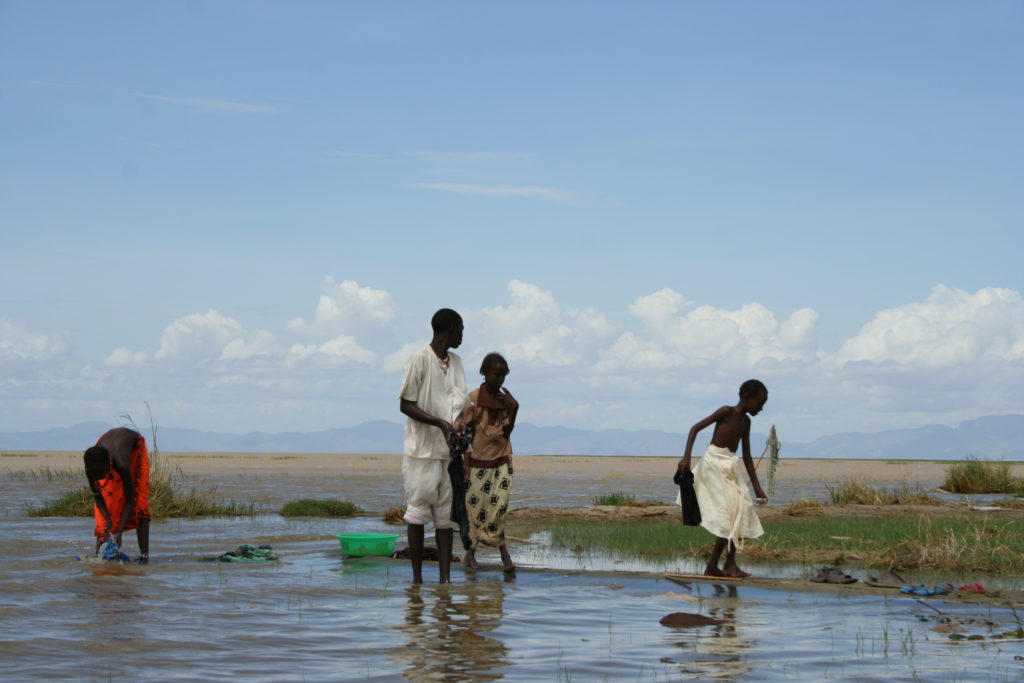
(982, 476)
(623, 499)
(858, 492)
(320, 507)
(901, 543)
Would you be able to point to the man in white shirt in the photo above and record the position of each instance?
(433, 396)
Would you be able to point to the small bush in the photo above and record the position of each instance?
(320, 507)
(979, 476)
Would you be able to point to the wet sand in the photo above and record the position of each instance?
(610, 468)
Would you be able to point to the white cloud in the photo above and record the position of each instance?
(208, 104)
(550, 194)
(706, 336)
(951, 328)
(345, 305)
(259, 343)
(341, 350)
(19, 343)
(120, 358)
(535, 328)
(198, 336)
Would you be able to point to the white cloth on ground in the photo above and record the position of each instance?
(428, 491)
(725, 506)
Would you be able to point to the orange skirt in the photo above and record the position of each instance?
(113, 493)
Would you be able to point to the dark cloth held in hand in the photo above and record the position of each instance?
(691, 511)
(457, 474)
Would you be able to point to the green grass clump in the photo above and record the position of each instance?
(856, 492)
(951, 545)
(657, 540)
(980, 476)
(623, 499)
(320, 507)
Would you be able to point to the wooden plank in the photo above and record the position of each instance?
(686, 578)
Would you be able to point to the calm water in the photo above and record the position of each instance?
(317, 616)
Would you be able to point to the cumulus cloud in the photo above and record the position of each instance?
(950, 328)
(345, 305)
(198, 336)
(743, 338)
(20, 343)
(533, 327)
(341, 350)
(121, 358)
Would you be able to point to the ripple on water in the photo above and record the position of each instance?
(317, 616)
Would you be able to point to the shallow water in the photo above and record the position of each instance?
(317, 616)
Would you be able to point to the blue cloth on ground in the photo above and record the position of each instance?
(111, 552)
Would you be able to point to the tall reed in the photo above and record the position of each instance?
(982, 476)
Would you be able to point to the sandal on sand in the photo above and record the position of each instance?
(836, 575)
(822, 575)
(975, 588)
(887, 579)
(922, 590)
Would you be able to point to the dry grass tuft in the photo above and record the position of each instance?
(395, 515)
(805, 507)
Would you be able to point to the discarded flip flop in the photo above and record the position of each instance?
(822, 575)
(943, 589)
(975, 588)
(887, 579)
(922, 590)
(836, 575)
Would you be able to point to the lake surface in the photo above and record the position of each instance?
(316, 616)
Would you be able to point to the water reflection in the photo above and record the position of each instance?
(718, 651)
(448, 629)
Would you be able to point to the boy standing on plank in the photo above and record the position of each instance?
(117, 468)
(433, 396)
(725, 507)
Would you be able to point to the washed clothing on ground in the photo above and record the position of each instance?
(725, 506)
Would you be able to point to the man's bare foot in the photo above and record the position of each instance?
(714, 571)
(735, 572)
(469, 560)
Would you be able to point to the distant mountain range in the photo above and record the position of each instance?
(990, 437)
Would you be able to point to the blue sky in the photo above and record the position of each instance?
(245, 213)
